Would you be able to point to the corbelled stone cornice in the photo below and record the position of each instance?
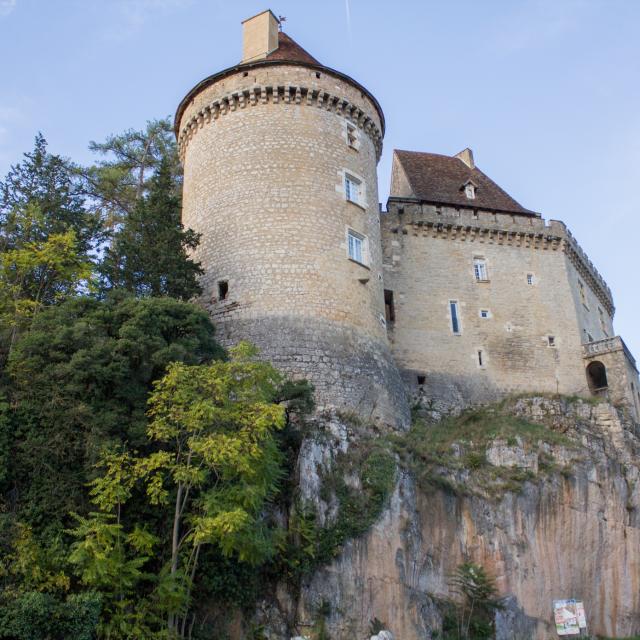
(285, 94)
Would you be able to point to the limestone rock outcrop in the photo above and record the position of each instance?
(571, 529)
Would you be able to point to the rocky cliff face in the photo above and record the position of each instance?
(550, 518)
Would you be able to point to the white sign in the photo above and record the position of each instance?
(569, 617)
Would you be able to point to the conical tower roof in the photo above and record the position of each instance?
(289, 50)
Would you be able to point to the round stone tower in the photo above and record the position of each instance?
(280, 156)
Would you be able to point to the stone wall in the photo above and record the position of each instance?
(265, 151)
(531, 339)
(621, 373)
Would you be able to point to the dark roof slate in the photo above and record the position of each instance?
(440, 179)
(289, 49)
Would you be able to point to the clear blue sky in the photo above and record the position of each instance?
(546, 92)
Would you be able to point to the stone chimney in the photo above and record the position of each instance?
(259, 36)
(467, 157)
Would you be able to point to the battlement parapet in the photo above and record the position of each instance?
(495, 227)
(608, 345)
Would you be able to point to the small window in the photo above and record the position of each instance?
(356, 247)
(529, 278)
(603, 322)
(317, 74)
(353, 189)
(421, 380)
(480, 269)
(223, 289)
(551, 341)
(480, 358)
(352, 136)
(583, 295)
(455, 318)
(484, 313)
(389, 308)
(470, 191)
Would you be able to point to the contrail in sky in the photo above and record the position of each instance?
(348, 12)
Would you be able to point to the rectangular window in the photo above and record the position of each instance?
(352, 136)
(480, 269)
(583, 295)
(484, 313)
(455, 318)
(603, 323)
(529, 278)
(421, 380)
(223, 289)
(353, 189)
(551, 340)
(356, 247)
(389, 308)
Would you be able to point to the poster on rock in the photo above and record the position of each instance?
(569, 617)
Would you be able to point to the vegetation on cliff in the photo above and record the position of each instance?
(140, 464)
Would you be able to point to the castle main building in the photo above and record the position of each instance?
(456, 294)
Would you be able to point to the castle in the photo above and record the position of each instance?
(456, 294)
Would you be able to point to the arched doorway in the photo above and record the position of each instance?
(597, 378)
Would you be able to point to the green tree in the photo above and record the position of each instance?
(35, 598)
(117, 182)
(78, 382)
(472, 617)
(50, 185)
(35, 272)
(148, 255)
(213, 466)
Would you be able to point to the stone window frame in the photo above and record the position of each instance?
(583, 294)
(487, 311)
(454, 303)
(352, 135)
(603, 323)
(552, 343)
(531, 279)
(352, 176)
(480, 261)
(350, 232)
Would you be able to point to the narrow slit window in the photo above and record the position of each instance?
(356, 247)
(223, 289)
(480, 269)
(455, 318)
(480, 358)
(389, 308)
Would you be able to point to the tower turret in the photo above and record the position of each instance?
(280, 156)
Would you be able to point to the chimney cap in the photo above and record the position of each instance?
(259, 14)
(466, 155)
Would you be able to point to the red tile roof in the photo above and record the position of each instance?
(289, 49)
(440, 179)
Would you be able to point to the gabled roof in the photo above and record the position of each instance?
(288, 49)
(441, 179)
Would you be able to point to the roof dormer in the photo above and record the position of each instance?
(469, 188)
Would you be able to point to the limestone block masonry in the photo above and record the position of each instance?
(265, 150)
